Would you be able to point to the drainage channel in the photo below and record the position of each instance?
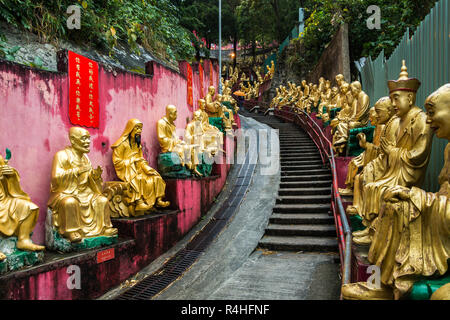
(181, 261)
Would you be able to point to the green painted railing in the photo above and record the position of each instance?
(428, 59)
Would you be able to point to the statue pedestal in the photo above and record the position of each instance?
(17, 259)
(55, 242)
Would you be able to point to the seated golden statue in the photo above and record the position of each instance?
(406, 157)
(379, 115)
(358, 117)
(214, 108)
(146, 187)
(18, 215)
(78, 206)
(206, 142)
(227, 97)
(412, 238)
(169, 141)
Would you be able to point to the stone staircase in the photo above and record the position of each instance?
(301, 218)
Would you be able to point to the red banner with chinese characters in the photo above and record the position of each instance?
(190, 99)
(200, 71)
(211, 75)
(83, 91)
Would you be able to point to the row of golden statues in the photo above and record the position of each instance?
(407, 229)
(348, 98)
(250, 91)
(81, 205)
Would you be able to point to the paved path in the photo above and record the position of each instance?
(232, 269)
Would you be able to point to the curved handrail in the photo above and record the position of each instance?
(342, 224)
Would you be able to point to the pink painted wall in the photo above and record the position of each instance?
(34, 119)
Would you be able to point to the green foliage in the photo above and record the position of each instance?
(150, 23)
(8, 53)
(325, 17)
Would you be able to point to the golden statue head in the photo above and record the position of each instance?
(171, 113)
(339, 78)
(403, 92)
(355, 87)
(384, 110)
(201, 104)
(211, 90)
(132, 132)
(437, 106)
(80, 139)
(198, 115)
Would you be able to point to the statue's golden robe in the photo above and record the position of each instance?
(369, 154)
(15, 204)
(359, 117)
(407, 163)
(413, 236)
(147, 186)
(93, 216)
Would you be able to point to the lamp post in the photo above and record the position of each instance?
(220, 45)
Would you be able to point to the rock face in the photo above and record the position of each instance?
(34, 53)
(286, 70)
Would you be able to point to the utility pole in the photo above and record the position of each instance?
(220, 45)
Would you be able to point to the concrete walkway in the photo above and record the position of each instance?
(232, 269)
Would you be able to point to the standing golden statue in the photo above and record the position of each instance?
(18, 215)
(146, 187)
(78, 206)
(412, 237)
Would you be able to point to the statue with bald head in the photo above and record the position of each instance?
(79, 209)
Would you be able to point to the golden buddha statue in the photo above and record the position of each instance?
(407, 155)
(228, 97)
(18, 215)
(325, 99)
(146, 186)
(78, 206)
(412, 238)
(196, 135)
(169, 141)
(358, 117)
(379, 115)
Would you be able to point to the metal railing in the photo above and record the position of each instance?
(325, 147)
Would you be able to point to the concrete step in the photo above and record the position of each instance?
(322, 177)
(304, 191)
(305, 172)
(313, 230)
(313, 199)
(303, 184)
(306, 218)
(299, 156)
(301, 208)
(305, 166)
(293, 162)
(299, 243)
